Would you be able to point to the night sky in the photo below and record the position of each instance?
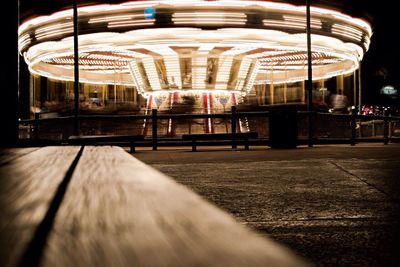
(381, 63)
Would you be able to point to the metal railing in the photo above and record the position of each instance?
(327, 127)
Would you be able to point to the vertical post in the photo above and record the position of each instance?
(233, 126)
(354, 88)
(271, 92)
(154, 128)
(353, 127)
(271, 87)
(359, 90)
(309, 81)
(194, 148)
(36, 128)
(303, 94)
(132, 147)
(76, 69)
(263, 94)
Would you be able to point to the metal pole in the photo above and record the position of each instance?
(233, 126)
(309, 81)
(154, 128)
(76, 69)
(353, 127)
(36, 128)
(359, 90)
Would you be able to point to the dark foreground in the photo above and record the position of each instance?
(334, 205)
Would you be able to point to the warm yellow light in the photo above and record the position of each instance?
(126, 38)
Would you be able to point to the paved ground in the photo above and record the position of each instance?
(335, 205)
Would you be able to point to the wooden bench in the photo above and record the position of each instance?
(106, 140)
(100, 206)
(245, 136)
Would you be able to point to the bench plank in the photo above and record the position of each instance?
(27, 186)
(9, 154)
(117, 211)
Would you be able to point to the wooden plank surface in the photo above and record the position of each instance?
(117, 211)
(9, 154)
(27, 185)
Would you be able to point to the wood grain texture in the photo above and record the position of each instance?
(117, 211)
(27, 185)
(9, 154)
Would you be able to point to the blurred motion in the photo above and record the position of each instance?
(189, 57)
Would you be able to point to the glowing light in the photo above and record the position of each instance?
(115, 18)
(295, 22)
(301, 20)
(347, 31)
(135, 23)
(209, 18)
(128, 41)
(23, 41)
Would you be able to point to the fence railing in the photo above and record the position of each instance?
(157, 127)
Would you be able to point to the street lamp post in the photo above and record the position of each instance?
(309, 80)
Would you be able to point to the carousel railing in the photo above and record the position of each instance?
(160, 128)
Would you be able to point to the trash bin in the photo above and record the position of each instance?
(283, 127)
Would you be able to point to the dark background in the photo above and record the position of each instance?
(381, 63)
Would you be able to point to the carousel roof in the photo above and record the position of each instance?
(194, 45)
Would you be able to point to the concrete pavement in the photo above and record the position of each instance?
(335, 205)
